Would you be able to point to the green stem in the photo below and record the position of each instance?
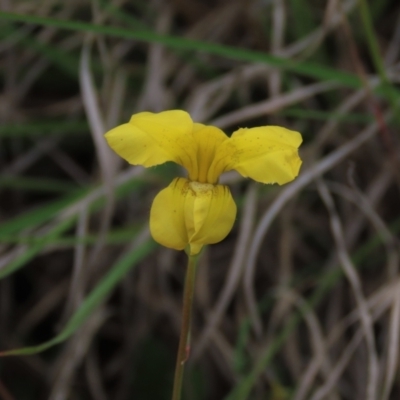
(183, 350)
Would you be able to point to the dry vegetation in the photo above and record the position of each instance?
(301, 301)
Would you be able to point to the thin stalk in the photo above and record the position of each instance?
(184, 341)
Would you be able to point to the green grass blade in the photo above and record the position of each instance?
(303, 68)
(37, 184)
(68, 63)
(116, 236)
(96, 297)
(375, 53)
(301, 113)
(35, 249)
(36, 217)
(31, 219)
(42, 128)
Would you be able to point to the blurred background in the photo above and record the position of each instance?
(301, 301)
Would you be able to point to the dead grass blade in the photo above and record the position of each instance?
(352, 276)
(286, 194)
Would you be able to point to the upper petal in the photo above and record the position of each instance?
(208, 139)
(167, 223)
(154, 138)
(266, 154)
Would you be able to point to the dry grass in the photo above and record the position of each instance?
(301, 301)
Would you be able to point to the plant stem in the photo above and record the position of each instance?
(184, 341)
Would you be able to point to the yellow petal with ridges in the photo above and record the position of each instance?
(167, 222)
(266, 154)
(154, 138)
(208, 139)
(210, 213)
(192, 213)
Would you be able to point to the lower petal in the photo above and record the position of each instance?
(193, 213)
(210, 213)
(167, 224)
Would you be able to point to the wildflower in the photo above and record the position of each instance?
(196, 210)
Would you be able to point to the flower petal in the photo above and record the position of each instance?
(208, 139)
(192, 213)
(266, 154)
(151, 139)
(210, 213)
(167, 223)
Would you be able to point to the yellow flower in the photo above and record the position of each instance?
(196, 211)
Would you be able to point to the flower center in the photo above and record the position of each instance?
(201, 188)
